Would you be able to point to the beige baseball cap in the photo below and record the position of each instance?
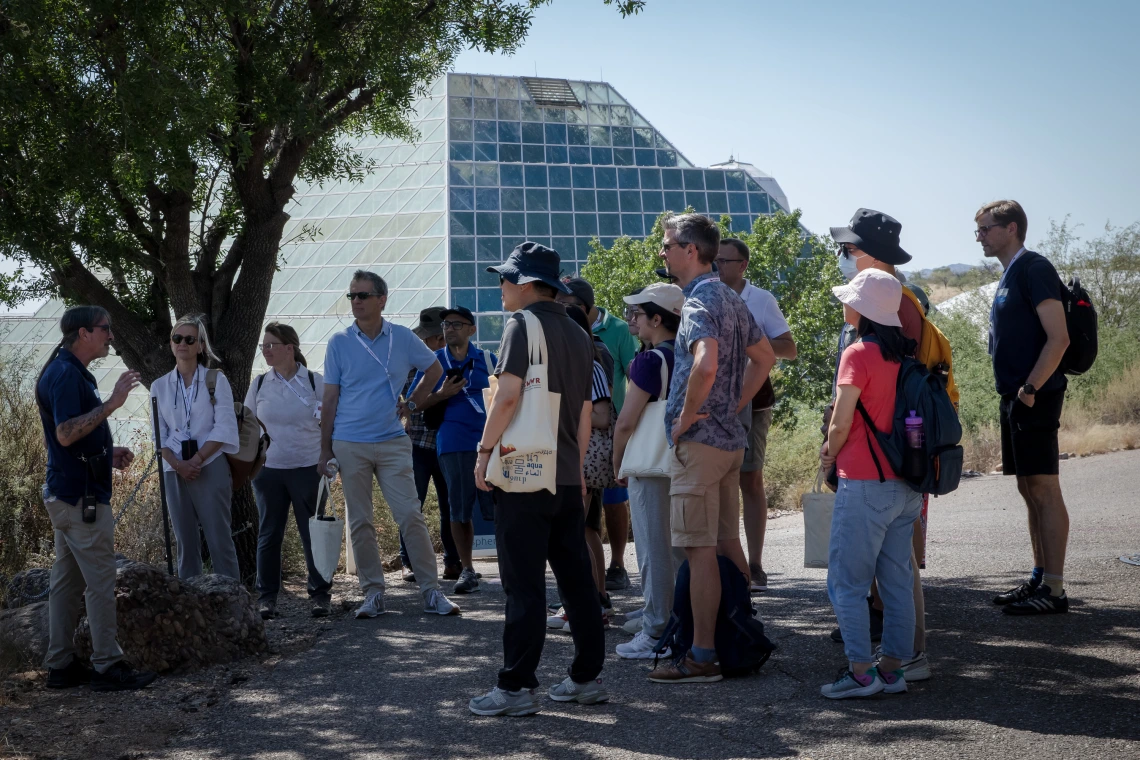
(666, 295)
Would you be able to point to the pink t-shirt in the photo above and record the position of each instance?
(863, 366)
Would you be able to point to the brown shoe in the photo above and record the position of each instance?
(451, 572)
(687, 670)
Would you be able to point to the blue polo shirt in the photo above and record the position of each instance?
(67, 390)
(463, 415)
(1016, 335)
(370, 374)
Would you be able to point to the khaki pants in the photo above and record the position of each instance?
(84, 560)
(391, 463)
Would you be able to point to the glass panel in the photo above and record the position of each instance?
(460, 108)
(623, 156)
(582, 248)
(556, 134)
(556, 154)
(622, 137)
(598, 93)
(461, 151)
(609, 224)
(561, 224)
(490, 299)
(462, 275)
(510, 153)
(532, 133)
(741, 223)
(607, 200)
(651, 200)
(509, 110)
(627, 179)
(536, 176)
(666, 158)
(734, 180)
(514, 224)
(491, 326)
(644, 157)
(621, 115)
(630, 200)
(576, 116)
(579, 155)
(631, 225)
(561, 200)
(486, 223)
(511, 199)
(642, 138)
(697, 201)
(509, 131)
(714, 179)
(605, 177)
(559, 176)
(486, 175)
(583, 176)
(459, 84)
(461, 130)
(564, 246)
(586, 224)
(533, 154)
(599, 136)
(578, 135)
(718, 203)
(537, 224)
(489, 249)
(602, 156)
(674, 201)
(486, 131)
(508, 87)
(486, 151)
(530, 112)
(758, 203)
(555, 115)
(510, 176)
(738, 203)
(483, 87)
(463, 199)
(584, 200)
(694, 179)
(536, 199)
(671, 180)
(462, 223)
(464, 298)
(487, 199)
(485, 279)
(462, 249)
(485, 109)
(650, 179)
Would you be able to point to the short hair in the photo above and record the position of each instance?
(740, 246)
(288, 335)
(669, 320)
(198, 322)
(544, 290)
(378, 285)
(698, 230)
(1004, 213)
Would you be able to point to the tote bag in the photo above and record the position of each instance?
(817, 505)
(647, 452)
(534, 428)
(325, 531)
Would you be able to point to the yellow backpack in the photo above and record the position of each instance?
(934, 348)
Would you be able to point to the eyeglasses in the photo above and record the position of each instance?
(271, 346)
(666, 246)
(984, 230)
(721, 262)
(448, 325)
(177, 338)
(636, 314)
(104, 328)
(362, 296)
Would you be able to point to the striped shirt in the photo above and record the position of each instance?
(600, 386)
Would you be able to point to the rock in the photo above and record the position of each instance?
(27, 586)
(26, 631)
(167, 624)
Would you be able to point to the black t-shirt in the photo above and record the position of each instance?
(571, 354)
(1016, 334)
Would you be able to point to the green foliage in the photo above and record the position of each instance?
(973, 370)
(628, 265)
(985, 273)
(1108, 265)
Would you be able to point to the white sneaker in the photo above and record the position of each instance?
(917, 668)
(373, 606)
(640, 648)
(436, 603)
(557, 621)
(632, 627)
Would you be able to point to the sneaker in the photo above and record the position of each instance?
(1019, 594)
(436, 603)
(501, 702)
(1041, 603)
(641, 647)
(452, 572)
(557, 620)
(636, 614)
(617, 579)
(73, 674)
(917, 668)
(121, 677)
(267, 610)
(894, 682)
(320, 606)
(876, 626)
(373, 606)
(566, 625)
(850, 685)
(759, 579)
(632, 626)
(686, 670)
(467, 582)
(570, 690)
(408, 576)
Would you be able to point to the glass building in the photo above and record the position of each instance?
(498, 160)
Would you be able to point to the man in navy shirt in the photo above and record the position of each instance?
(1028, 338)
(460, 390)
(77, 496)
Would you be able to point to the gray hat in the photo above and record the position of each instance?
(429, 323)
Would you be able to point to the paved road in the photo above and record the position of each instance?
(1003, 688)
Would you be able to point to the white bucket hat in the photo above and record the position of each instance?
(874, 294)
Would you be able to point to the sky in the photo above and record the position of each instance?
(924, 111)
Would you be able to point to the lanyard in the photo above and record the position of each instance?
(383, 365)
(189, 395)
(702, 282)
(466, 390)
(290, 386)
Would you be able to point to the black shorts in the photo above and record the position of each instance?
(1029, 434)
(594, 513)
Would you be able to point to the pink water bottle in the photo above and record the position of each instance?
(914, 462)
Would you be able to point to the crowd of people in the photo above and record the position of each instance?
(407, 407)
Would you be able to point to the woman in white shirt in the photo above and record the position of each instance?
(286, 399)
(197, 426)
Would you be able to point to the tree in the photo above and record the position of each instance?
(1108, 265)
(148, 148)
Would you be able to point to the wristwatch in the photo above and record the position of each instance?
(487, 450)
(1028, 389)
(411, 405)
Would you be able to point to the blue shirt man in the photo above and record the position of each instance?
(463, 415)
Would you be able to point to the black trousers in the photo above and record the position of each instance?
(532, 529)
(425, 467)
(274, 490)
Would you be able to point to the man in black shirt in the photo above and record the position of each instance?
(532, 529)
(1028, 338)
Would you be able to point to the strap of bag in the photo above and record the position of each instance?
(487, 361)
(535, 338)
(817, 487)
(312, 380)
(322, 496)
(870, 425)
(212, 384)
(664, 376)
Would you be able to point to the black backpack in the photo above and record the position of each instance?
(741, 645)
(938, 468)
(1080, 318)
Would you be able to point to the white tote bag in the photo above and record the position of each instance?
(817, 505)
(534, 427)
(647, 451)
(325, 531)
(525, 473)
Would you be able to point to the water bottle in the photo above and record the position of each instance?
(914, 461)
(332, 468)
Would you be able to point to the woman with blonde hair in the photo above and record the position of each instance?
(198, 426)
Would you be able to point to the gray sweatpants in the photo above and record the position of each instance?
(205, 501)
(657, 559)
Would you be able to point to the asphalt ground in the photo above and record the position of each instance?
(1047, 687)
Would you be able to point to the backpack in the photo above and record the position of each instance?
(1080, 319)
(250, 456)
(261, 381)
(939, 468)
(741, 645)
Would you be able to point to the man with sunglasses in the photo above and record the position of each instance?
(365, 367)
(460, 391)
(1028, 338)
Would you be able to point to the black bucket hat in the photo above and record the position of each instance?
(532, 262)
(875, 233)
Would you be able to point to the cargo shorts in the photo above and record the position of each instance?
(704, 494)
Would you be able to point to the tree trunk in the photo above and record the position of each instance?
(245, 525)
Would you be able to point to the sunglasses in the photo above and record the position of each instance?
(454, 325)
(180, 338)
(361, 296)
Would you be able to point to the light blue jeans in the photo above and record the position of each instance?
(871, 529)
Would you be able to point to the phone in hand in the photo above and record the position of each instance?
(451, 373)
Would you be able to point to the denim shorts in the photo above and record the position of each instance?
(462, 495)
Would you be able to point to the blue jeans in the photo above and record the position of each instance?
(459, 472)
(871, 529)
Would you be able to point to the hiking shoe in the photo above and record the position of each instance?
(267, 610)
(372, 607)
(320, 606)
(917, 668)
(501, 702)
(632, 626)
(436, 603)
(617, 579)
(467, 582)
(687, 670)
(850, 685)
(557, 620)
(121, 677)
(408, 576)
(894, 682)
(73, 674)
(570, 690)
(759, 579)
(1019, 594)
(876, 626)
(452, 572)
(641, 647)
(1041, 603)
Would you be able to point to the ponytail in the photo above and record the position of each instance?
(73, 320)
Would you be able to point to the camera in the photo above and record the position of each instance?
(189, 449)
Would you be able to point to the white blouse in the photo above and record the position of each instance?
(290, 411)
(205, 421)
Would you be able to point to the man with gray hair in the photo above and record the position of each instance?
(362, 429)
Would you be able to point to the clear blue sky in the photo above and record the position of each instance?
(921, 110)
